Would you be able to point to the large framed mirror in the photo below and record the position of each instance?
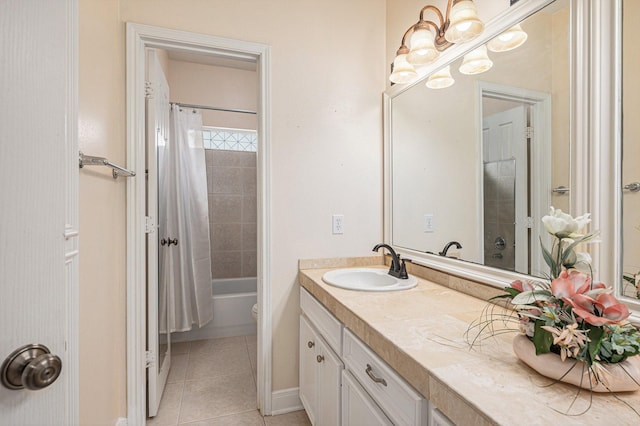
(480, 162)
(447, 181)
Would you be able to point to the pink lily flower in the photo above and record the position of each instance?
(570, 283)
(604, 309)
(522, 286)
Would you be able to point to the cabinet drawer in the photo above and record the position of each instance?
(328, 326)
(398, 400)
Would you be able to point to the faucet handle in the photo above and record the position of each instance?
(403, 269)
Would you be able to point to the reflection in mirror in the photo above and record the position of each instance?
(630, 149)
(477, 162)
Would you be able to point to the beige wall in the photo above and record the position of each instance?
(327, 74)
(102, 215)
(208, 85)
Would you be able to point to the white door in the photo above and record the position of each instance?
(504, 137)
(38, 211)
(158, 344)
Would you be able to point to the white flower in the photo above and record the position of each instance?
(563, 225)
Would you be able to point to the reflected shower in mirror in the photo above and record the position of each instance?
(630, 149)
(478, 162)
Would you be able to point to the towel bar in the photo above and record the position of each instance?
(90, 160)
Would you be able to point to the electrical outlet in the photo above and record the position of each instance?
(338, 223)
(429, 225)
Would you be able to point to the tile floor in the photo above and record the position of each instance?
(213, 383)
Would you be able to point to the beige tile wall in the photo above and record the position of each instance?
(231, 181)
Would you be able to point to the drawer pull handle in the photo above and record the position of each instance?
(310, 344)
(373, 377)
(320, 358)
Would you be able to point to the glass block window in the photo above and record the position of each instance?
(230, 139)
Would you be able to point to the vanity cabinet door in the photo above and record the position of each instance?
(358, 409)
(320, 377)
(329, 384)
(308, 375)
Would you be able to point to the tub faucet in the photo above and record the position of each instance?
(448, 246)
(398, 268)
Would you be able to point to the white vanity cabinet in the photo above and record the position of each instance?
(385, 388)
(343, 382)
(320, 363)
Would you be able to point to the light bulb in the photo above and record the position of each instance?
(403, 71)
(475, 62)
(423, 50)
(464, 24)
(440, 79)
(508, 40)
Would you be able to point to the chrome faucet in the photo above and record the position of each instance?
(448, 246)
(398, 268)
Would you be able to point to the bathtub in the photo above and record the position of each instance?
(233, 299)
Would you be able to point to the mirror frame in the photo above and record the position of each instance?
(595, 75)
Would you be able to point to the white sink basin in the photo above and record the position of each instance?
(367, 279)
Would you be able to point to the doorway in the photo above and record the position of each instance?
(516, 176)
(139, 39)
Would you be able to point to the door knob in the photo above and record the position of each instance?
(168, 242)
(30, 366)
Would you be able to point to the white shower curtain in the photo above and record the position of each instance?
(184, 269)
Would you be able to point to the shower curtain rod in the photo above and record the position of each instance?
(241, 111)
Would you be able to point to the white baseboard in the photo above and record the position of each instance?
(121, 422)
(285, 401)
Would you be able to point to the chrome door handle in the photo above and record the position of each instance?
(369, 372)
(168, 242)
(633, 186)
(561, 190)
(30, 366)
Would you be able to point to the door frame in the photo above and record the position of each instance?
(540, 161)
(138, 38)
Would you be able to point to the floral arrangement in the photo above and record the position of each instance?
(568, 314)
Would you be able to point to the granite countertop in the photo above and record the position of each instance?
(420, 333)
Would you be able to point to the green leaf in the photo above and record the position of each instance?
(513, 292)
(542, 339)
(547, 256)
(595, 334)
(532, 296)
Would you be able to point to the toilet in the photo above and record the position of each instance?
(254, 312)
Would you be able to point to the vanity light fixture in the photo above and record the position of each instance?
(508, 40)
(459, 24)
(475, 62)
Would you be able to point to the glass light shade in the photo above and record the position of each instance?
(403, 71)
(476, 61)
(508, 40)
(440, 79)
(423, 51)
(464, 24)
